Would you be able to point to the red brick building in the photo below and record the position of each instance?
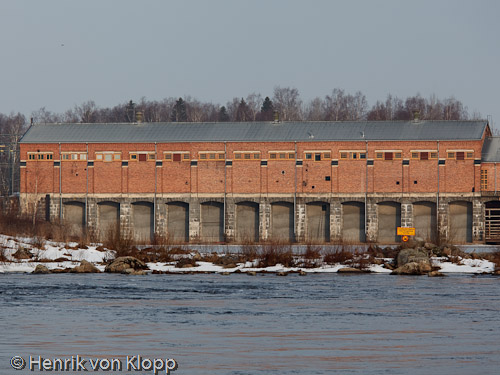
(304, 181)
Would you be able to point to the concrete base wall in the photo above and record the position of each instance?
(282, 217)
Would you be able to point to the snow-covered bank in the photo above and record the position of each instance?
(61, 256)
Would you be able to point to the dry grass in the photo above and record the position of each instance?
(276, 253)
(337, 256)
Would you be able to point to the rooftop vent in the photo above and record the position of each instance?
(276, 117)
(416, 116)
(138, 116)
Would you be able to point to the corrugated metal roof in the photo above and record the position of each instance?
(491, 150)
(255, 131)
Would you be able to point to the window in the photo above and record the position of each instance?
(142, 157)
(379, 155)
(388, 156)
(40, 156)
(484, 179)
(177, 157)
(247, 156)
(65, 156)
(185, 156)
(317, 157)
(108, 156)
(327, 155)
(414, 155)
(344, 155)
(470, 155)
(211, 155)
(309, 156)
(424, 156)
(397, 155)
(434, 155)
(282, 155)
(362, 155)
(460, 156)
(451, 155)
(151, 157)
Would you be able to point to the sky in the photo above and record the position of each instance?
(60, 53)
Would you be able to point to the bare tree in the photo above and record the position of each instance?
(287, 102)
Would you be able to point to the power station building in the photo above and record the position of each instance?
(260, 181)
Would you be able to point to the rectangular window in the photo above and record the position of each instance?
(484, 179)
(282, 155)
(246, 156)
(98, 156)
(221, 157)
(327, 155)
(362, 155)
(117, 156)
(291, 155)
(317, 157)
(434, 155)
(414, 155)
(309, 156)
(83, 156)
(397, 155)
(212, 156)
(379, 155)
(65, 156)
(168, 156)
(151, 156)
(256, 156)
(451, 155)
(424, 156)
(344, 155)
(470, 155)
(185, 156)
(177, 157)
(388, 156)
(460, 155)
(354, 155)
(237, 156)
(142, 157)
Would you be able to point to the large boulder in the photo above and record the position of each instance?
(412, 255)
(40, 270)
(422, 267)
(85, 267)
(22, 253)
(126, 264)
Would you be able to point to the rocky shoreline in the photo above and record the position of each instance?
(417, 258)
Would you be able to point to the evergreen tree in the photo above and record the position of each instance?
(222, 116)
(179, 113)
(243, 112)
(266, 111)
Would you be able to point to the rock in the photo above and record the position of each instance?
(281, 273)
(61, 270)
(226, 261)
(413, 268)
(429, 246)
(85, 267)
(197, 256)
(302, 273)
(225, 273)
(419, 241)
(22, 253)
(446, 251)
(435, 274)
(230, 265)
(121, 264)
(187, 265)
(349, 270)
(412, 255)
(40, 270)
(252, 273)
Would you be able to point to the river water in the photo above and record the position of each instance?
(264, 324)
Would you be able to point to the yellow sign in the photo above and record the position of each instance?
(406, 231)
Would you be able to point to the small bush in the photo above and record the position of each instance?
(273, 254)
(337, 256)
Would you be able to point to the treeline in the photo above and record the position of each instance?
(285, 101)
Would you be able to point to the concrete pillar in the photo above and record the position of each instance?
(300, 221)
(371, 221)
(230, 220)
(443, 220)
(194, 219)
(160, 218)
(406, 214)
(477, 220)
(264, 219)
(335, 221)
(125, 218)
(91, 216)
